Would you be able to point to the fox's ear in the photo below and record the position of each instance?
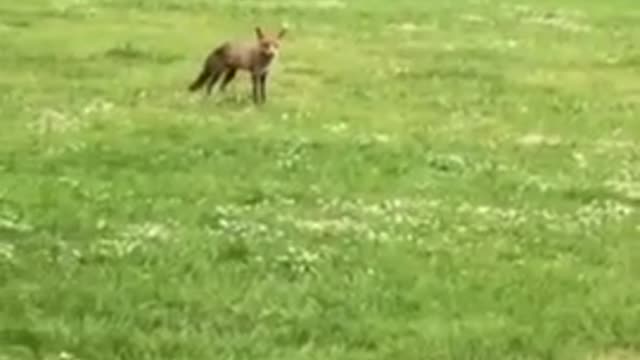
(282, 33)
(259, 32)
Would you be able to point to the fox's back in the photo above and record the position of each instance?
(240, 54)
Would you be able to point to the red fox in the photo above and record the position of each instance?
(229, 57)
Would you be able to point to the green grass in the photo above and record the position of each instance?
(428, 180)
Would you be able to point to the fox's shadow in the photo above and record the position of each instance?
(228, 99)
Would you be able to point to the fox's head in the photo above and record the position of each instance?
(269, 44)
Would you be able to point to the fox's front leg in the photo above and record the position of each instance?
(255, 82)
(263, 86)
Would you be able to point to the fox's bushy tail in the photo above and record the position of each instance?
(208, 68)
(201, 79)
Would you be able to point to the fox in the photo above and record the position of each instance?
(254, 57)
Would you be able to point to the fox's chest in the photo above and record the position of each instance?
(263, 65)
(250, 59)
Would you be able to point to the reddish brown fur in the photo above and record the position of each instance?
(254, 57)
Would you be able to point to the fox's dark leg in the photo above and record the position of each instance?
(255, 82)
(227, 78)
(263, 86)
(213, 79)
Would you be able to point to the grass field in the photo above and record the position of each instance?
(428, 180)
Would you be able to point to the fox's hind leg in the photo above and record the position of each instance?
(213, 79)
(227, 78)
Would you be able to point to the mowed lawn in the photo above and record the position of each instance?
(428, 180)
